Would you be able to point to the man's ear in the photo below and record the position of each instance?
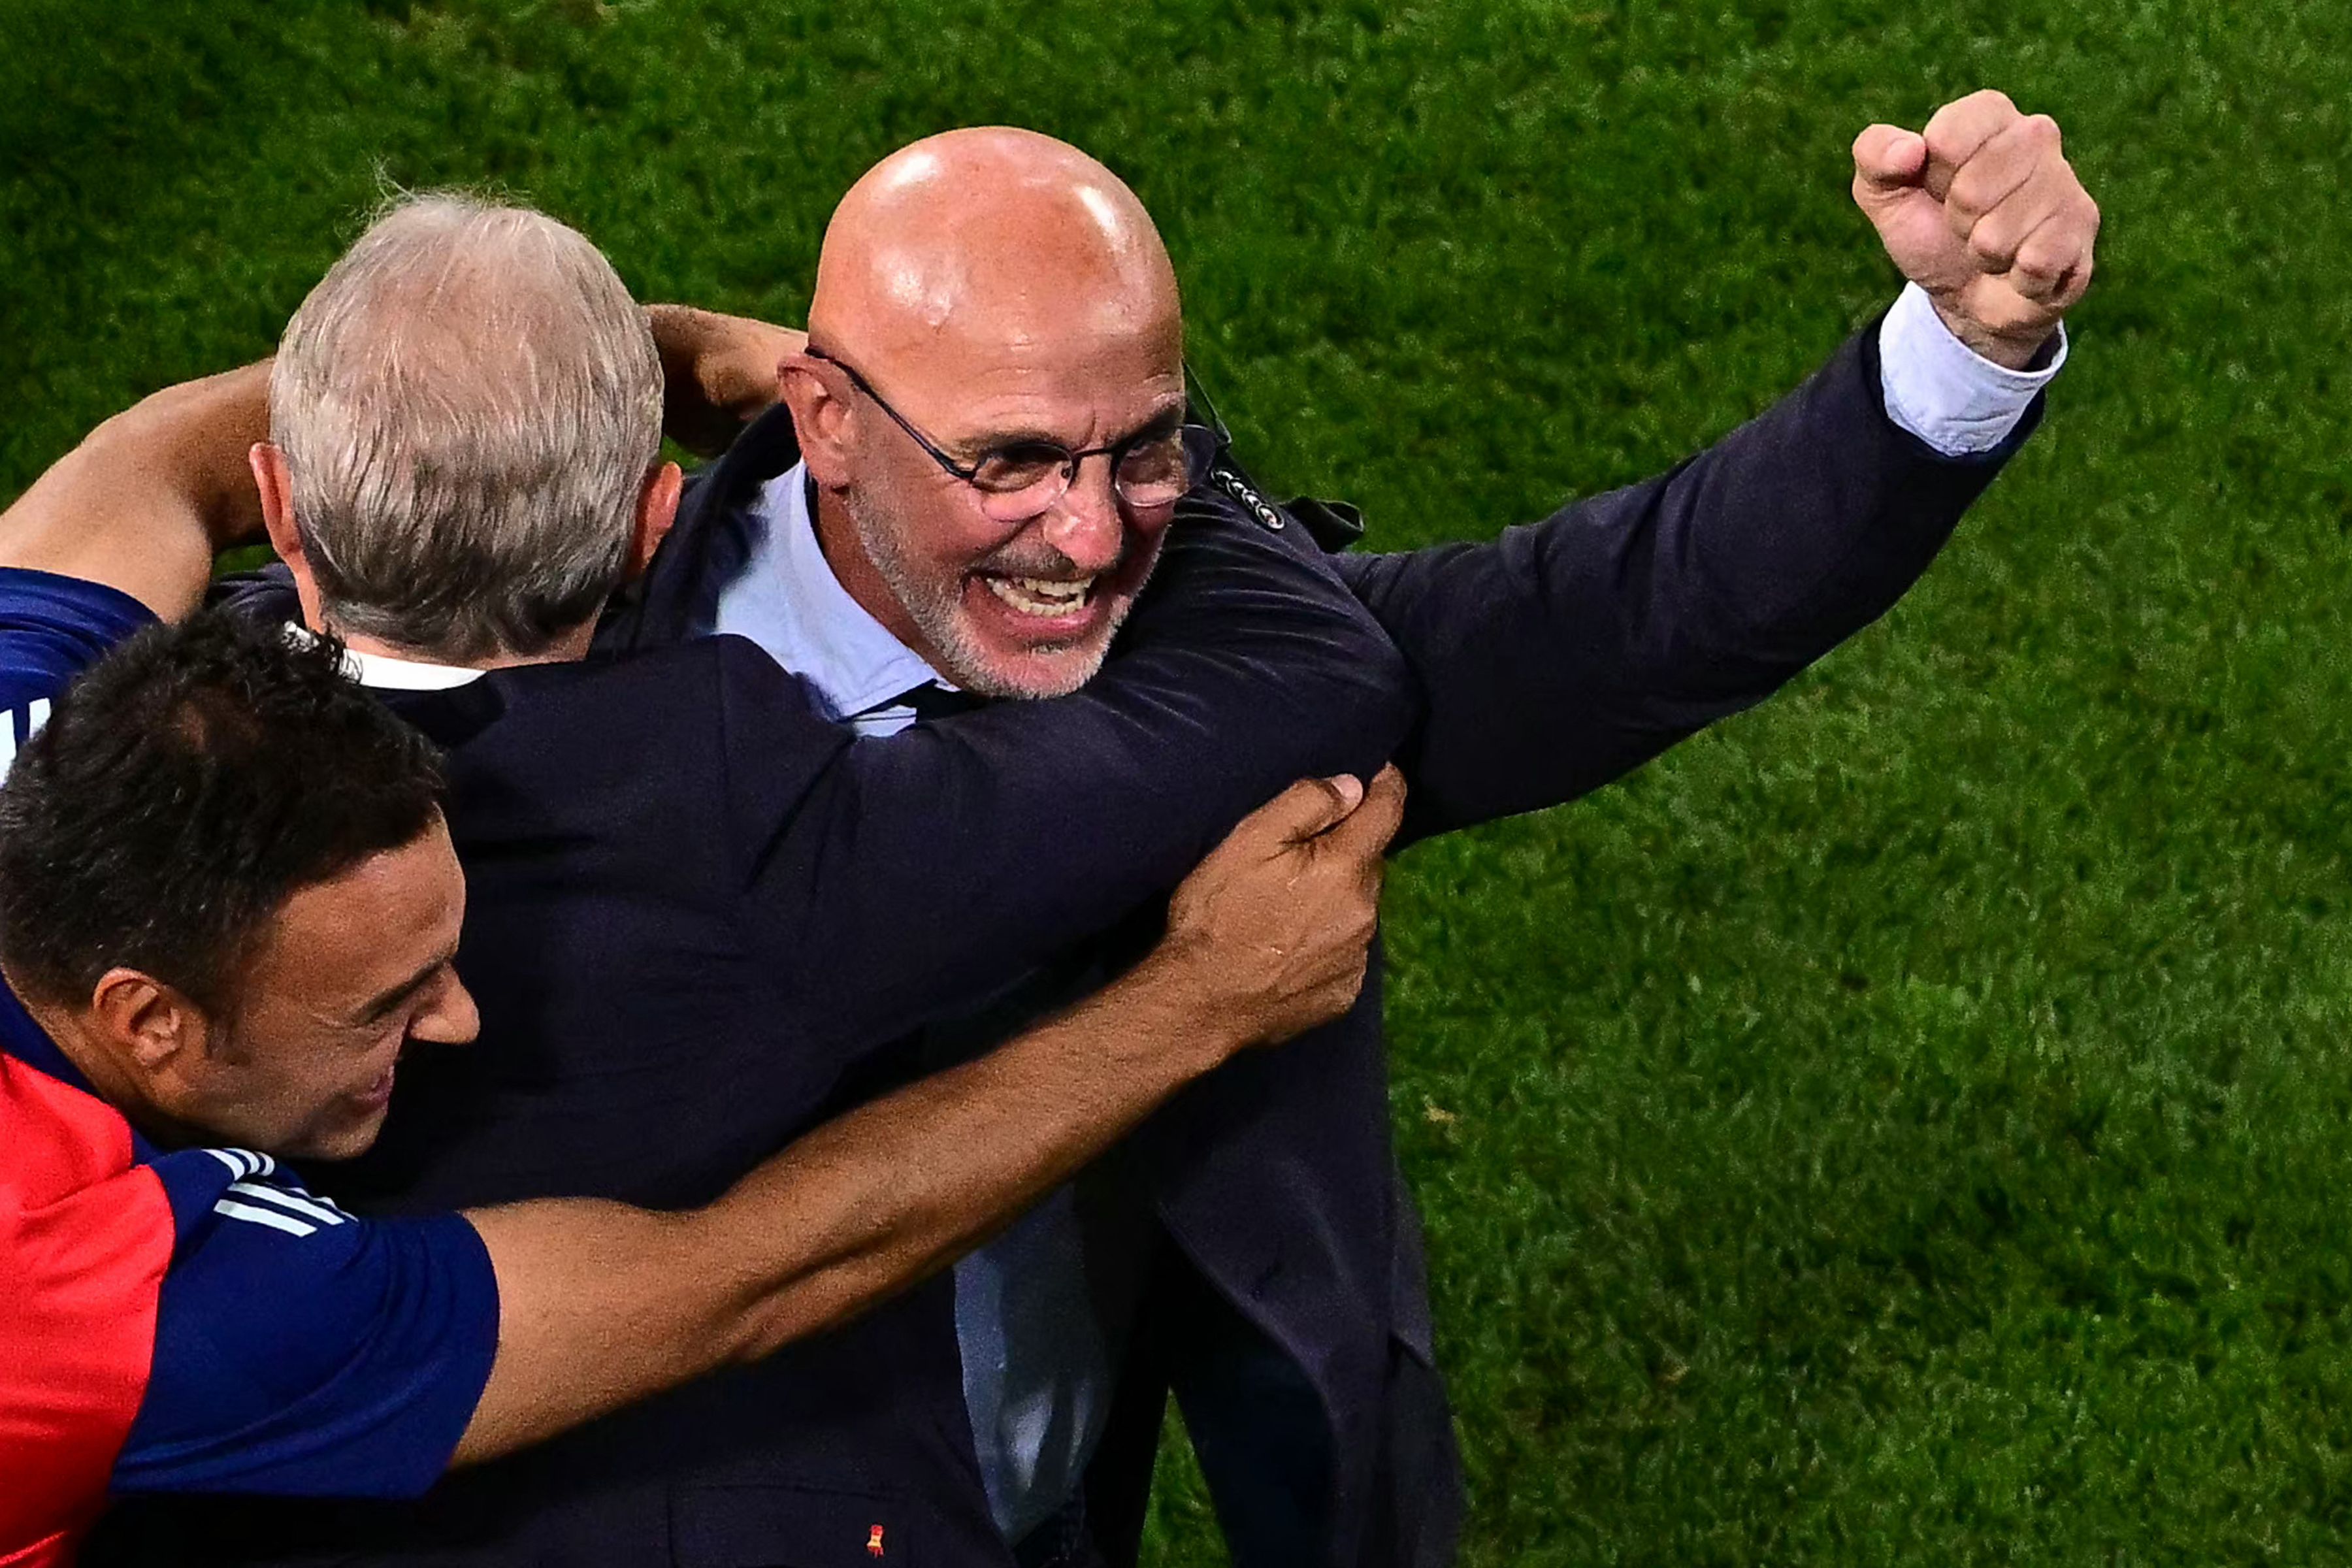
(656, 512)
(275, 482)
(822, 420)
(157, 1033)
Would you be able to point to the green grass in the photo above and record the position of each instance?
(1912, 1123)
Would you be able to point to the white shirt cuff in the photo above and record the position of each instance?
(1944, 392)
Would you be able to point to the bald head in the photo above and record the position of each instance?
(988, 240)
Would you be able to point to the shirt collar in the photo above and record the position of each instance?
(388, 672)
(789, 602)
(384, 672)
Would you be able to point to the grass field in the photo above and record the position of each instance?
(1911, 1123)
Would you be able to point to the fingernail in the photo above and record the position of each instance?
(1350, 788)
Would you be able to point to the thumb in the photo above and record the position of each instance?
(1890, 164)
(1368, 830)
(1305, 810)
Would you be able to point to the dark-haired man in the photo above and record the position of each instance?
(230, 904)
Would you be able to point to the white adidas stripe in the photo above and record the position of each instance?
(244, 1163)
(296, 1203)
(36, 714)
(270, 1217)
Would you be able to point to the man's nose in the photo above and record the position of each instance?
(450, 1018)
(1086, 525)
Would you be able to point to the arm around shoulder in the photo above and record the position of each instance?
(600, 1304)
(1247, 666)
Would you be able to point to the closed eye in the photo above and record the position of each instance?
(1027, 455)
(385, 1004)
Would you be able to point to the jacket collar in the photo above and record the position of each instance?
(706, 545)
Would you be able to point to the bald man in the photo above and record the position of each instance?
(961, 497)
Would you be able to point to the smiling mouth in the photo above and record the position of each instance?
(1043, 598)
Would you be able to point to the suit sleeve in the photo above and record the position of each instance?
(918, 874)
(1566, 653)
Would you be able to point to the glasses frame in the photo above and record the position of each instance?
(1116, 451)
(1200, 409)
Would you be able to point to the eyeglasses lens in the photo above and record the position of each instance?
(1155, 473)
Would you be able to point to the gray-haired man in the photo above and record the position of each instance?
(465, 423)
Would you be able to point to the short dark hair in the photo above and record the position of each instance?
(183, 789)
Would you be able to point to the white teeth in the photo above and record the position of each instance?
(1039, 595)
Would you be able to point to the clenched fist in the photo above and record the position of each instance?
(1982, 210)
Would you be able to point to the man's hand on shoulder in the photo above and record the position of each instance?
(1982, 210)
(1270, 935)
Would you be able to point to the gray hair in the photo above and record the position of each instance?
(468, 403)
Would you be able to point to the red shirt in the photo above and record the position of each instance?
(86, 1235)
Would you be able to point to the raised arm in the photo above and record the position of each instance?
(148, 499)
(1566, 653)
(1563, 654)
(602, 1304)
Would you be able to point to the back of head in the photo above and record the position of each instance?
(181, 791)
(468, 404)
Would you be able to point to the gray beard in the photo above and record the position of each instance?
(937, 610)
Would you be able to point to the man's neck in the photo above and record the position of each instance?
(568, 648)
(854, 569)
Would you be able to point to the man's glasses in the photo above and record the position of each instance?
(1149, 471)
